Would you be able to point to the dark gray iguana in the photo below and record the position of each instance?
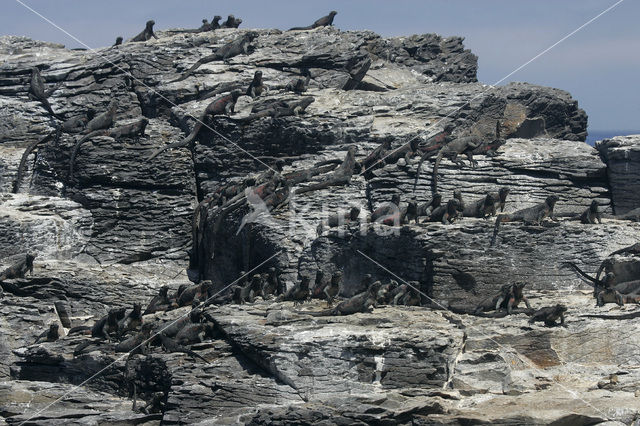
(147, 33)
(280, 109)
(361, 302)
(322, 22)
(137, 128)
(467, 145)
(37, 91)
(234, 48)
(488, 205)
(222, 105)
(533, 215)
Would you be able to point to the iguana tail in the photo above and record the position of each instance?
(186, 141)
(581, 272)
(76, 148)
(434, 174)
(193, 68)
(501, 218)
(23, 160)
(415, 184)
(193, 354)
(310, 27)
(323, 313)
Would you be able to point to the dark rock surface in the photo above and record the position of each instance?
(622, 155)
(122, 226)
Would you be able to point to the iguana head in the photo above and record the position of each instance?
(552, 200)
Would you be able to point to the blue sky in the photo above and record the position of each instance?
(599, 66)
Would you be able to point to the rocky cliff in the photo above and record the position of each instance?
(118, 226)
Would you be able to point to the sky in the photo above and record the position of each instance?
(599, 65)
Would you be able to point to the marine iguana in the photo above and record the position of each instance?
(224, 104)
(147, 33)
(549, 315)
(299, 293)
(633, 250)
(171, 346)
(194, 293)
(131, 321)
(136, 343)
(234, 48)
(468, 145)
(608, 290)
(158, 303)
(299, 85)
(37, 91)
(333, 288)
(410, 212)
(425, 209)
(137, 128)
(195, 316)
(322, 22)
(271, 284)
(447, 213)
(231, 22)
(206, 26)
(398, 293)
(609, 294)
(340, 176)
(51, 335)
(256, 87)
(384, 294)
(195, 333)
(107, 326)
(19, 269)
(375, 158)
(338, 219)
(412, 295)
(103, 120)
(488, 205)
(508, 297)
(280, 109)
(590, 215)
(215, 22)
(386, 209)
(361, 302)
(535, 214)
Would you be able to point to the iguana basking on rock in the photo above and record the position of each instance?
(136, 128)
(222, 105)
(533, 215)
(37, 91)
(488, 205)
(340, 176)
(508, 297)
(234, 48)
(549, 315)
(468, 145)
(361, 302)
(322, 22)
(280, 109)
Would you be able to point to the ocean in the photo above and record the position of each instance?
(598, 135)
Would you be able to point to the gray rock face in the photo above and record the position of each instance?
(622, 155)
(120, 227)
